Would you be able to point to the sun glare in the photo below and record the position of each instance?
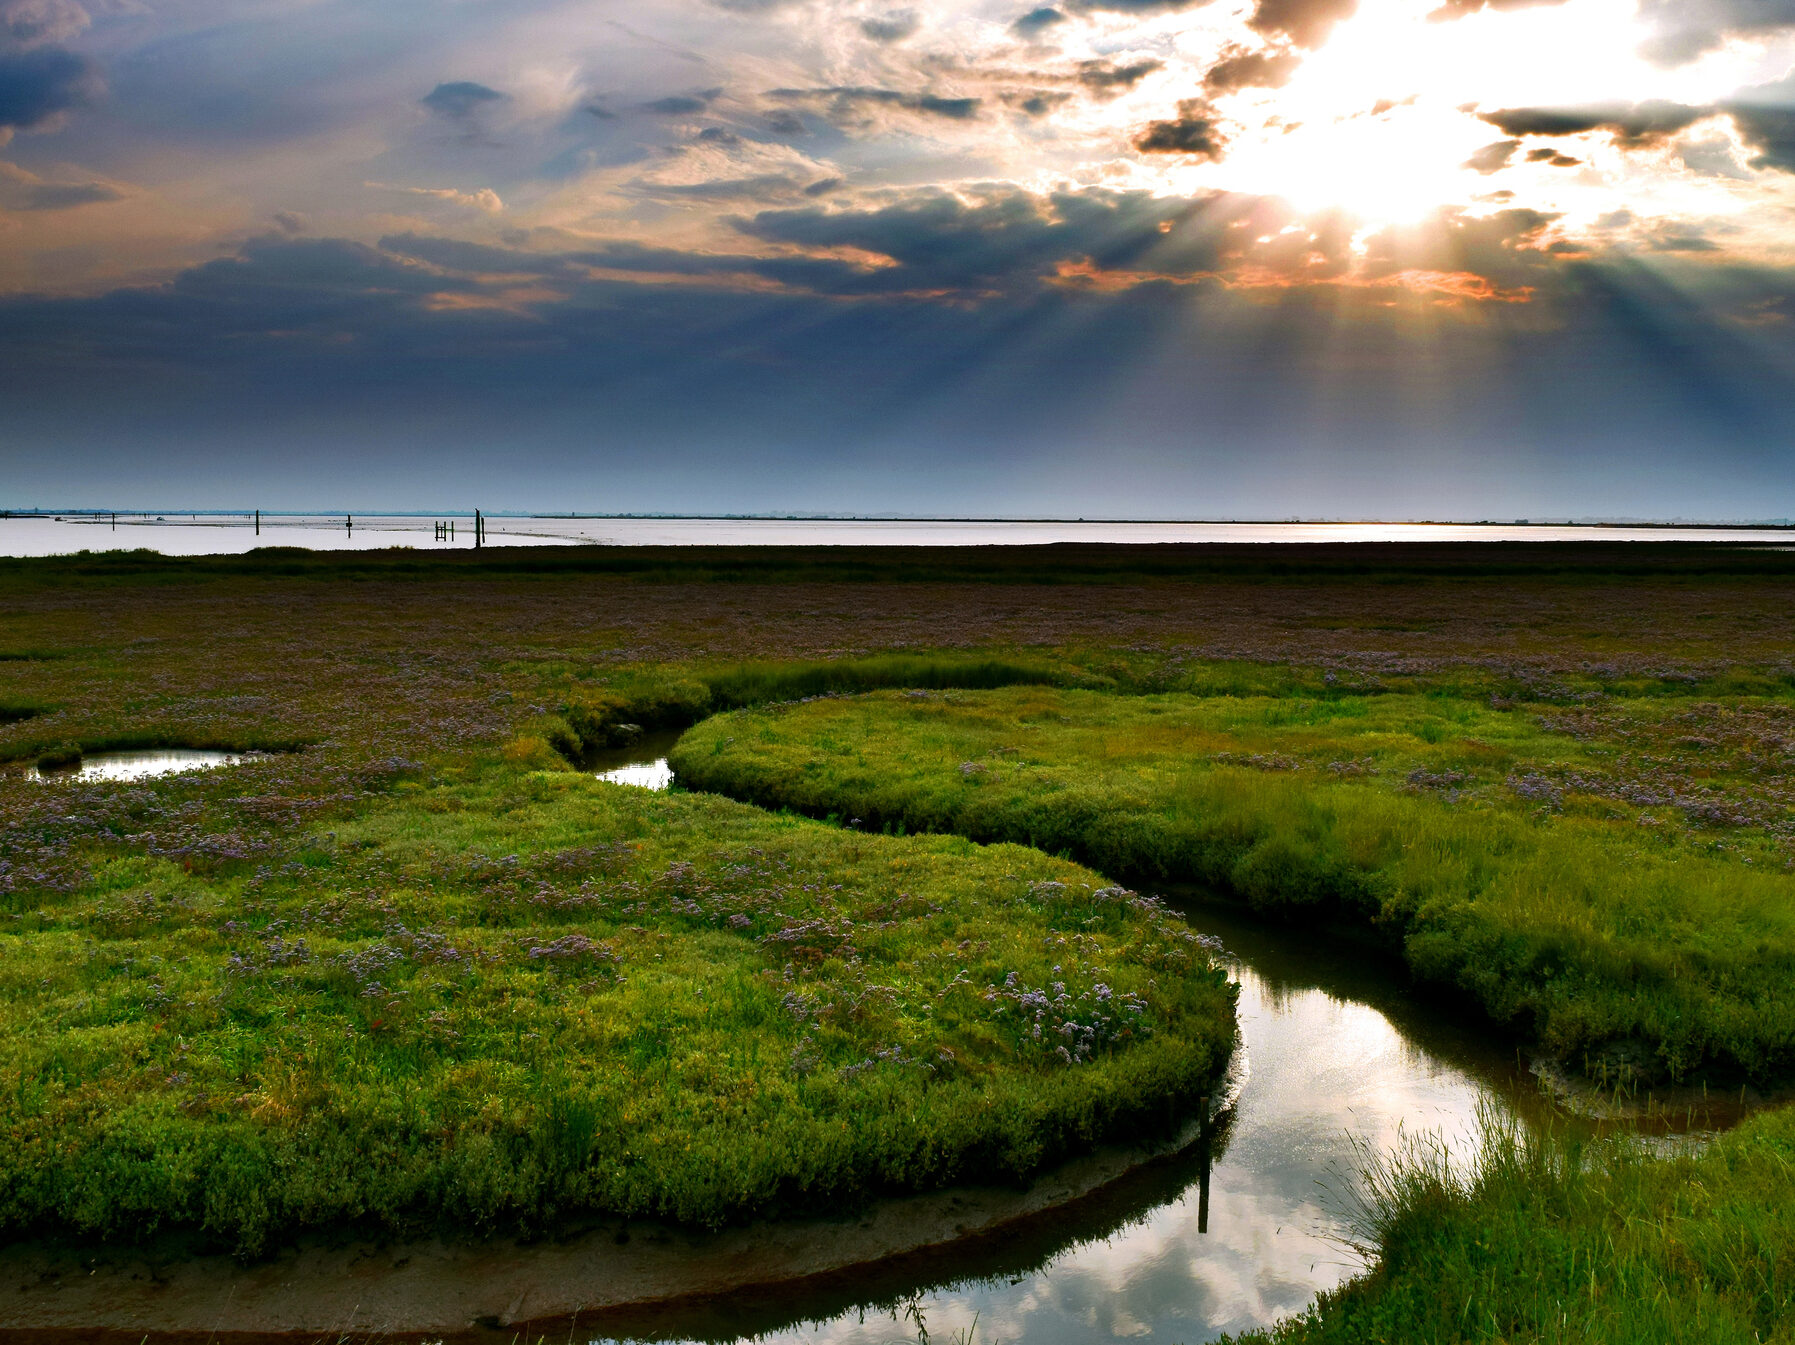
(1382, 121)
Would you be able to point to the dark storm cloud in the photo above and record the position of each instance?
(38, 83)
(1307, 23)
(461, 100)
(1632, 126)
(892, 27)
(1239, 68)
(1547, 155)
(843, 101)
(1493, 157)
(1195, 131)
(683, 104)
(1684, 29)
(1037, 21)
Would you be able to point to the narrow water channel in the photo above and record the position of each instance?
(1333, 1053)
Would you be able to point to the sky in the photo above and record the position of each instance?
(1096, 258)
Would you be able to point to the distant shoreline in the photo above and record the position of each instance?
(193, 515)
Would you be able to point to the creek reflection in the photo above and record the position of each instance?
(1332, 1049)
(642, 763)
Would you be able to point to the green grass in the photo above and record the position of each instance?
(1547, 1240)
(1510, 859)
(342, 984)
(501, 997)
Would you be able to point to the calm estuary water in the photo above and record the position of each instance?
(216, 534)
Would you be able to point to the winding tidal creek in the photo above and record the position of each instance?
(1243, 1220)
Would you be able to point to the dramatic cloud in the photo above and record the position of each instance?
(1765, 116)
(484, 198)
(937, 242)
(1770, 132)
(893, 27)
(1684, 29)
(1037, 21)
(22, 190)
(1632, 126)
(29, 23)
(956, 224)
(1493, 157)
(1103, 77)
(461, 100)
(1502, 257)
(683, 104)
(40, 83)
(1194, 131)
(1305, 22)
(844, 103)
(1037, 102)
(1239, 68)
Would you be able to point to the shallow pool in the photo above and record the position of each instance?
(139, 765)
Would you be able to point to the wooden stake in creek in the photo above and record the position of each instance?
(258, 523)
(479, 529)
(1206, 1140)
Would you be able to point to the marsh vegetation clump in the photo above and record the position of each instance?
(1542, 1236)
(60, 757)
(1620, 895)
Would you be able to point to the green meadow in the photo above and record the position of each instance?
(414, 969)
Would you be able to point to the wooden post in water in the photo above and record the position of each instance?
(479, 530)
(258, 523)
(1206, 1138)
(349, 522)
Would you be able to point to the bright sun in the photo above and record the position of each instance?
(1380, 122)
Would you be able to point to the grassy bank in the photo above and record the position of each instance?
(491, 997)
(413, 971)
(1545, 1240)
(1611, 880)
